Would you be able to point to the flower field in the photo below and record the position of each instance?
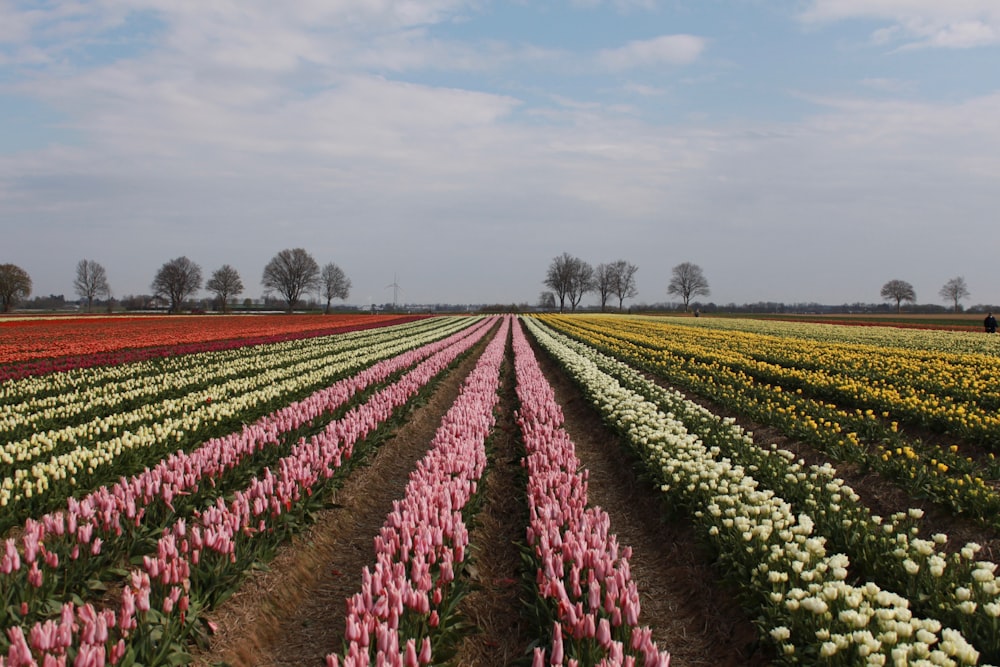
(141, 491)
(36, 345)
(831, 578)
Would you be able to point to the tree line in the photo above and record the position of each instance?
(899, 291)
(292, 273)
(570, 278)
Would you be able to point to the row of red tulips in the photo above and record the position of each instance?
(50, 346)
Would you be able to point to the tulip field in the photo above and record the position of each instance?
(151, 465)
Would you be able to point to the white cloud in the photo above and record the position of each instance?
(643, 90)
(663, 50)
(244, 128)
(918, 23)
(624, 6)
(888, 85)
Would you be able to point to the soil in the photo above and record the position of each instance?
(293, 613)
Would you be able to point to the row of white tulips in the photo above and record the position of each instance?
(169, 424)
(60, 398)
(816, 616)
(194, 553)
(959, 587)
(94, 527)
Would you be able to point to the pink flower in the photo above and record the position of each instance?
(411, 659)
(90, 655)
(19, 654)
(557, 644)
(11, 560)
(43, 636)
(35, 575)
(604, 633)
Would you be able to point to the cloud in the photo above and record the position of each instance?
(663, 50)
(884, 85)
(956, 24)
(246, 127)
(624, 6)
(643, 90)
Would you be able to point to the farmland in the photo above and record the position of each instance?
(492, 490)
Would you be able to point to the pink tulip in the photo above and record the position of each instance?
(19, 653)
(557, 644)
(572, 543)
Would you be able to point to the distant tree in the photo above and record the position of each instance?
(623, 283)
(547, 300)
(955, 290)
(570, 278)
(898, 291)
(583, 282)
(604, 277)
(91, 281)
(688, 281)
(15, 285)
(334, 284)
(560, 277)
(176, 281)
(137, 301)
(291, 273)
(225, 283)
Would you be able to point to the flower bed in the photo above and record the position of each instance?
(814, 609)
(194, 557)
(584, 585)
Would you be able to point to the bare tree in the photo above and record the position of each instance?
(581, 283)
(560, 277)
(15, 285)
(604, 277)
(91, 281)
(955, 290)
(688, 281)
(291, 273)
(898, 291)
(225, 283)
(623, 283)
(177, 280)
(570, 278)
(334, 283)
(547, 300)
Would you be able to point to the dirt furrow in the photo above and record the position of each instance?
(293, 614)
(499, 634)
(690, 614)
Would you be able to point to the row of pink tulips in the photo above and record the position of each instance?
(583, 576)
(67, 546)
(406, 602)
(189, 556)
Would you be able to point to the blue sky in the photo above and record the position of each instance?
(798, 151)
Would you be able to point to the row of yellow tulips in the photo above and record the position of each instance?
(774, 523)
(872, 439)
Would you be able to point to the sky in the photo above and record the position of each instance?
(796, 150)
